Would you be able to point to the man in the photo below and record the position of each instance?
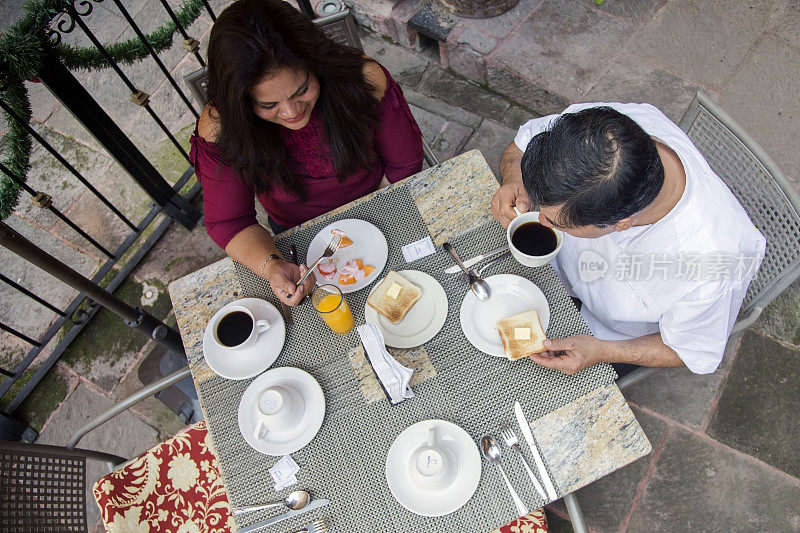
(656, 247)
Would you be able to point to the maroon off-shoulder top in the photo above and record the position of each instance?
(229, 204)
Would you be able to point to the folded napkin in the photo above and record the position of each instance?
(393, 376)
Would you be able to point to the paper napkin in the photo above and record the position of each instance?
(418, 249)
(283, 473)
(393, 376)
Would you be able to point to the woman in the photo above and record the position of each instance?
(303, 123)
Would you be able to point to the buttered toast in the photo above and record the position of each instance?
(521, 334)
(394, 296)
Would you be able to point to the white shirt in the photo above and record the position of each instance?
(699, 258)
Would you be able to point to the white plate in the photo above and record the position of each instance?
(422, 322)
(311, 421)
(510, 295)
(243, 364)
(369, 245)
(430, 502)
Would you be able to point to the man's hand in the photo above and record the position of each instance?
(512, 192)
(283, 278)
(506, 198)
(571, 354)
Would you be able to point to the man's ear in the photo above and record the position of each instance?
(624, 224)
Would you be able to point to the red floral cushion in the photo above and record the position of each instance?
(173, 487)
(534, 522)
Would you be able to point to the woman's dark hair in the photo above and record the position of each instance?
(250, 41)
(600, 164)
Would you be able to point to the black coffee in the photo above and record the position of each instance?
(234, 328)
(531, 238)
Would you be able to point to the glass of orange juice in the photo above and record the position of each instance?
(329, 302)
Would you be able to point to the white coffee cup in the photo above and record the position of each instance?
(432, 466)
(531, 260)
(278, 409)
(257, 328)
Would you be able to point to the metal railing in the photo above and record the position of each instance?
(166, 198)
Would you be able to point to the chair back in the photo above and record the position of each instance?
(767, 196)
(42, 488)
(341, 28)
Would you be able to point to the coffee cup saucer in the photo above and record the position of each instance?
(287, 441)
(245, 363)
(433, 501)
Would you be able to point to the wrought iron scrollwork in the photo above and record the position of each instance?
(86, 5)
(64, 19)
(53, 36)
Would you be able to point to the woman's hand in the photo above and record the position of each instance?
(283, 278)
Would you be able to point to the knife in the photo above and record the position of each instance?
(293, 259)
(287, 314)
(314, 504)
(477, 259)
(286, 311)
(526, 432)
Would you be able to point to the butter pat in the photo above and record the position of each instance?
(393, 291)
(522, 334)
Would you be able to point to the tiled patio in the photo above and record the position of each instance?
(724, 446)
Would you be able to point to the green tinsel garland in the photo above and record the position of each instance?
(22, 51)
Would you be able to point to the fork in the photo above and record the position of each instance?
(512, 441)
(317, 526)
(493, 261)
(329, 251)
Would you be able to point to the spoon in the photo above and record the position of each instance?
(479, 287)
(294, 501)
(491, 452)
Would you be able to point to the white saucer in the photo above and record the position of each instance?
(369, 245)
(422, 322)
(243, 364)
(428, 502)
(510, 295)
(288, 442)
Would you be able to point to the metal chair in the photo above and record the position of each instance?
(766, 194)
(127, 403)
(339, 27)
(43, 488)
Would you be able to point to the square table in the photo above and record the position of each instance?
(581, 440)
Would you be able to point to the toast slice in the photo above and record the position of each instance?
(521, 334)
(391, 301)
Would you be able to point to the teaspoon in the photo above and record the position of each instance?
(478, 286)
(491, 452)
(294, 501)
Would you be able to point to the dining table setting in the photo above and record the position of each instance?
(396, 396)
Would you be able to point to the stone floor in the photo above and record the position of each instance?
(724, 455)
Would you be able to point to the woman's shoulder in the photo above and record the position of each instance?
(376, 76)
(207, 125)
